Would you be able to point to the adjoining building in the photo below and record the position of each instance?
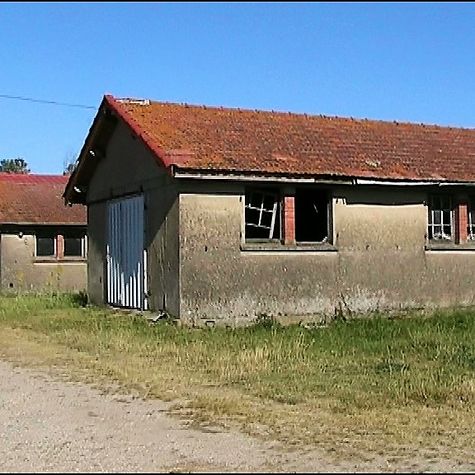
(223, 214)
(43, 243)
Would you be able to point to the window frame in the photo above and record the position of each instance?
(55, 247)
(276, 219)
(82, 238)
(55, 236)
(470, 218)
(431, 218)
(284, 243)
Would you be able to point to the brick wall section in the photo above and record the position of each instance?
(461, 222)
(289, 219)
(60, 246)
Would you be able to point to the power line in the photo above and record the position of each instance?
(41, 101)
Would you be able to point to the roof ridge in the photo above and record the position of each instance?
(31, 174)
(33, 178)
(147, 102)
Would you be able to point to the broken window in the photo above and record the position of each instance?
(262, 214)
(440, 217)
(45, 246)
(311, 215)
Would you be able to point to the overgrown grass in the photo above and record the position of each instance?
(378, 381)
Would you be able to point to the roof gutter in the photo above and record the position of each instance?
(42, 224)
(230, 176)
(362, 181)
(241, 177)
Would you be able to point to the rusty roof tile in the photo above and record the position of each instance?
(30, 198)
(223, 139)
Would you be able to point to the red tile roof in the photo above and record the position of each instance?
(233, 140)
(27, 198)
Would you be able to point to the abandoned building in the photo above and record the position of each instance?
(223, 214)
(42, 242)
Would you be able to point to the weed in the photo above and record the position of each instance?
(263, 320)
(80, 299)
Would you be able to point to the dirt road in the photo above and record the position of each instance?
(51, 425)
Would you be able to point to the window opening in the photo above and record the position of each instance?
(262, 214)
(311, 215)
(73, 246)
(45, 246)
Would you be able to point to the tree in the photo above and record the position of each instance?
(14, 165)
(69, 163)
(69, 168)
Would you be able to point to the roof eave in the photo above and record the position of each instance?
(41, 223)
(238, 175)
(109, 105)
(160, 155)
(69, 195)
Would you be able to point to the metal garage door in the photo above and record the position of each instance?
(126, 273)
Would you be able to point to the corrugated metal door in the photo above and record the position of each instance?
(126, 258)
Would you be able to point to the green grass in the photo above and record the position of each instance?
(374, 377)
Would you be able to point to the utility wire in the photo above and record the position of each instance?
(55, 103)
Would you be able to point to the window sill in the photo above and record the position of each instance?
(450, 246)
(55, 260)
(279, 247)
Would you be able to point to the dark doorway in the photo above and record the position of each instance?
(311, 215)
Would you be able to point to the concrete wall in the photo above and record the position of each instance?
(21, 271)
(129, 168)
(96, 256)
(199, 269)
(162, 231)
(380, 262)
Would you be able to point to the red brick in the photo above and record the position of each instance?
(461, 222)
(289, 219)
(60, 246)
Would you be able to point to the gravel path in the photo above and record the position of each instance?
(47, 425)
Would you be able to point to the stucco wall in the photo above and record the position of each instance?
(197, 268)
(162, 230)
(380, 262)
(96, 256)
(22, 271)
(129, 168)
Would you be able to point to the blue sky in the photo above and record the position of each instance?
(391, 61)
